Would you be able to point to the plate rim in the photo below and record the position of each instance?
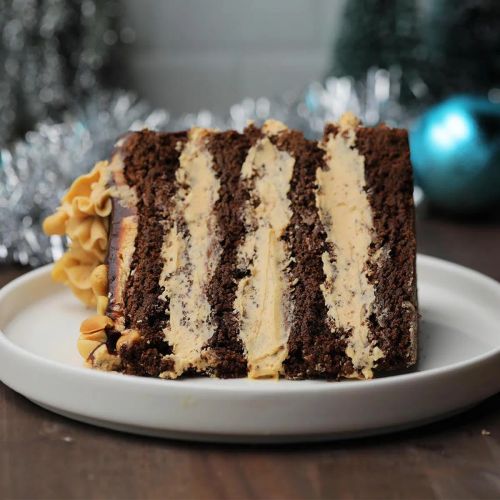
(254, 387)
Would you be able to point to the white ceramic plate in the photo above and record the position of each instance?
(459, 366)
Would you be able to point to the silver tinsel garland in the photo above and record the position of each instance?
(35, 172)
(51, 53)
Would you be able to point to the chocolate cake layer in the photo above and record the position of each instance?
(150, 161)
(229, 150)
(390, 193)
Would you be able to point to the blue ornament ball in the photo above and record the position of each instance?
(455, 152)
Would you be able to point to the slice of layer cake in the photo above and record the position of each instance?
(259, 254)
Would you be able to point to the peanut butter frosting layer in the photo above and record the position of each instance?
(262, 300)
(190, 256)
(346, 215)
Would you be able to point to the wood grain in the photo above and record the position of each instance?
(43, 455)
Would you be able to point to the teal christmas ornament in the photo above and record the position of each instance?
(455, 151)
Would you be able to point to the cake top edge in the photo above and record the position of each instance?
(270, 127)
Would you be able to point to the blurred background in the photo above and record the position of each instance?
(195, 54)
(74, 75)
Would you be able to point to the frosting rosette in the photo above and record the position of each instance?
(84, 217)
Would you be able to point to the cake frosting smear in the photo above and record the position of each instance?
(258, 254)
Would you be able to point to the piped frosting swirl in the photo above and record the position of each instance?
(84, 217)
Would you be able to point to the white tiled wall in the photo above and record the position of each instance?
(194, 54)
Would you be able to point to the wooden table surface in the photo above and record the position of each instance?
(43, 455)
